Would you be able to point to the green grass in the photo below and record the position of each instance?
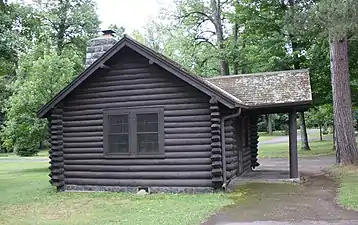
(27, 198)
(264, 136)
(318, 148)
(348, 188)
(42, 153)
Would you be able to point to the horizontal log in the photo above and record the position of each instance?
(187, 112)
(83, 150)
(188, 148)
(139, 175)
(90, 156)
(82, 134)
(56, 121)
(83, 129)
(188, 154)
(199, 161)
(246, 158)
(187, 130)
(80, 140)
(137, 168)
(187, 136)
(167, 124)
(82, 123)
(139, 102)
(196, 118)
(97, 115)
(110, 88)
(56, 127)
(101, 85)
(141, 182)
(105, 102)
(140, 73)
(100, 96)
(184, 148)
(98, 144)
(68, 114)
(191, 141)
(233, 166)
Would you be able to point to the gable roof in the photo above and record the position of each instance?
(263, 89)
(167, 64)
(247, 91)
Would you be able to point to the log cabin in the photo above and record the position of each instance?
(134, 119)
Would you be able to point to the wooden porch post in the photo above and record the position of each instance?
(293, 144)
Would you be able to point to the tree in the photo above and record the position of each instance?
(321, 116)
(205, 20)
(68, 23)
(23, 131)
(119, 30)
(339, 18)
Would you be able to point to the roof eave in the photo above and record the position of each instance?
(286, 104)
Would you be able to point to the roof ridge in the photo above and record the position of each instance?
(258, 74)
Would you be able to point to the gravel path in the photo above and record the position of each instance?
(282, 204)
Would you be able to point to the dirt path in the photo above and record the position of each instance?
(310, 203)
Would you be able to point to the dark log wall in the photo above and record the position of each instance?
(245, 138)
(231, 147)
(216, 159)
(134, 82)
(254, 140)
(56, 152)
(232, 159)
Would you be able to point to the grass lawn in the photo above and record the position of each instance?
(42, 153)
(348, 188)
(318, 148)
(27, 198)
(264, 136)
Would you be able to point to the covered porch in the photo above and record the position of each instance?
(268, 93)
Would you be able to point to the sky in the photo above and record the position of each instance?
(131, 14)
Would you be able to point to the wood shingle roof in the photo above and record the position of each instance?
(274, 88)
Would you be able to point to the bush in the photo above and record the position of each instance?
(40, 81)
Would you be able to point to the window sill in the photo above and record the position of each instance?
(124, 156)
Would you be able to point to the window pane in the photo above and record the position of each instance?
(147, 143)
(118, 143)
(147, 122)
(118, 124)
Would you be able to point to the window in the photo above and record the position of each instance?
(133, 132)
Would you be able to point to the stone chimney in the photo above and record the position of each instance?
(97, 46)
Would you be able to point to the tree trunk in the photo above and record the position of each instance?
(342, 104)
(304, 137)
(216, 8)
(269, 124)
(320, 132)
(243, 58)
(236, 57)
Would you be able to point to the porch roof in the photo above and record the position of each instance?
(281, 88)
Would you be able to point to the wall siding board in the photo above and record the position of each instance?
(133, 82)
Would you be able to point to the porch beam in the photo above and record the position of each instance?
(293, 144)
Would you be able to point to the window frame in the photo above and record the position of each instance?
(132, 132)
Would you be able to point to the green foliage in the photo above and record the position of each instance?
(68, 24)
(42, 79)
(30, 71)
(321, 115)
(119, 31)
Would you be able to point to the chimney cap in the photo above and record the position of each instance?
(108, 32)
